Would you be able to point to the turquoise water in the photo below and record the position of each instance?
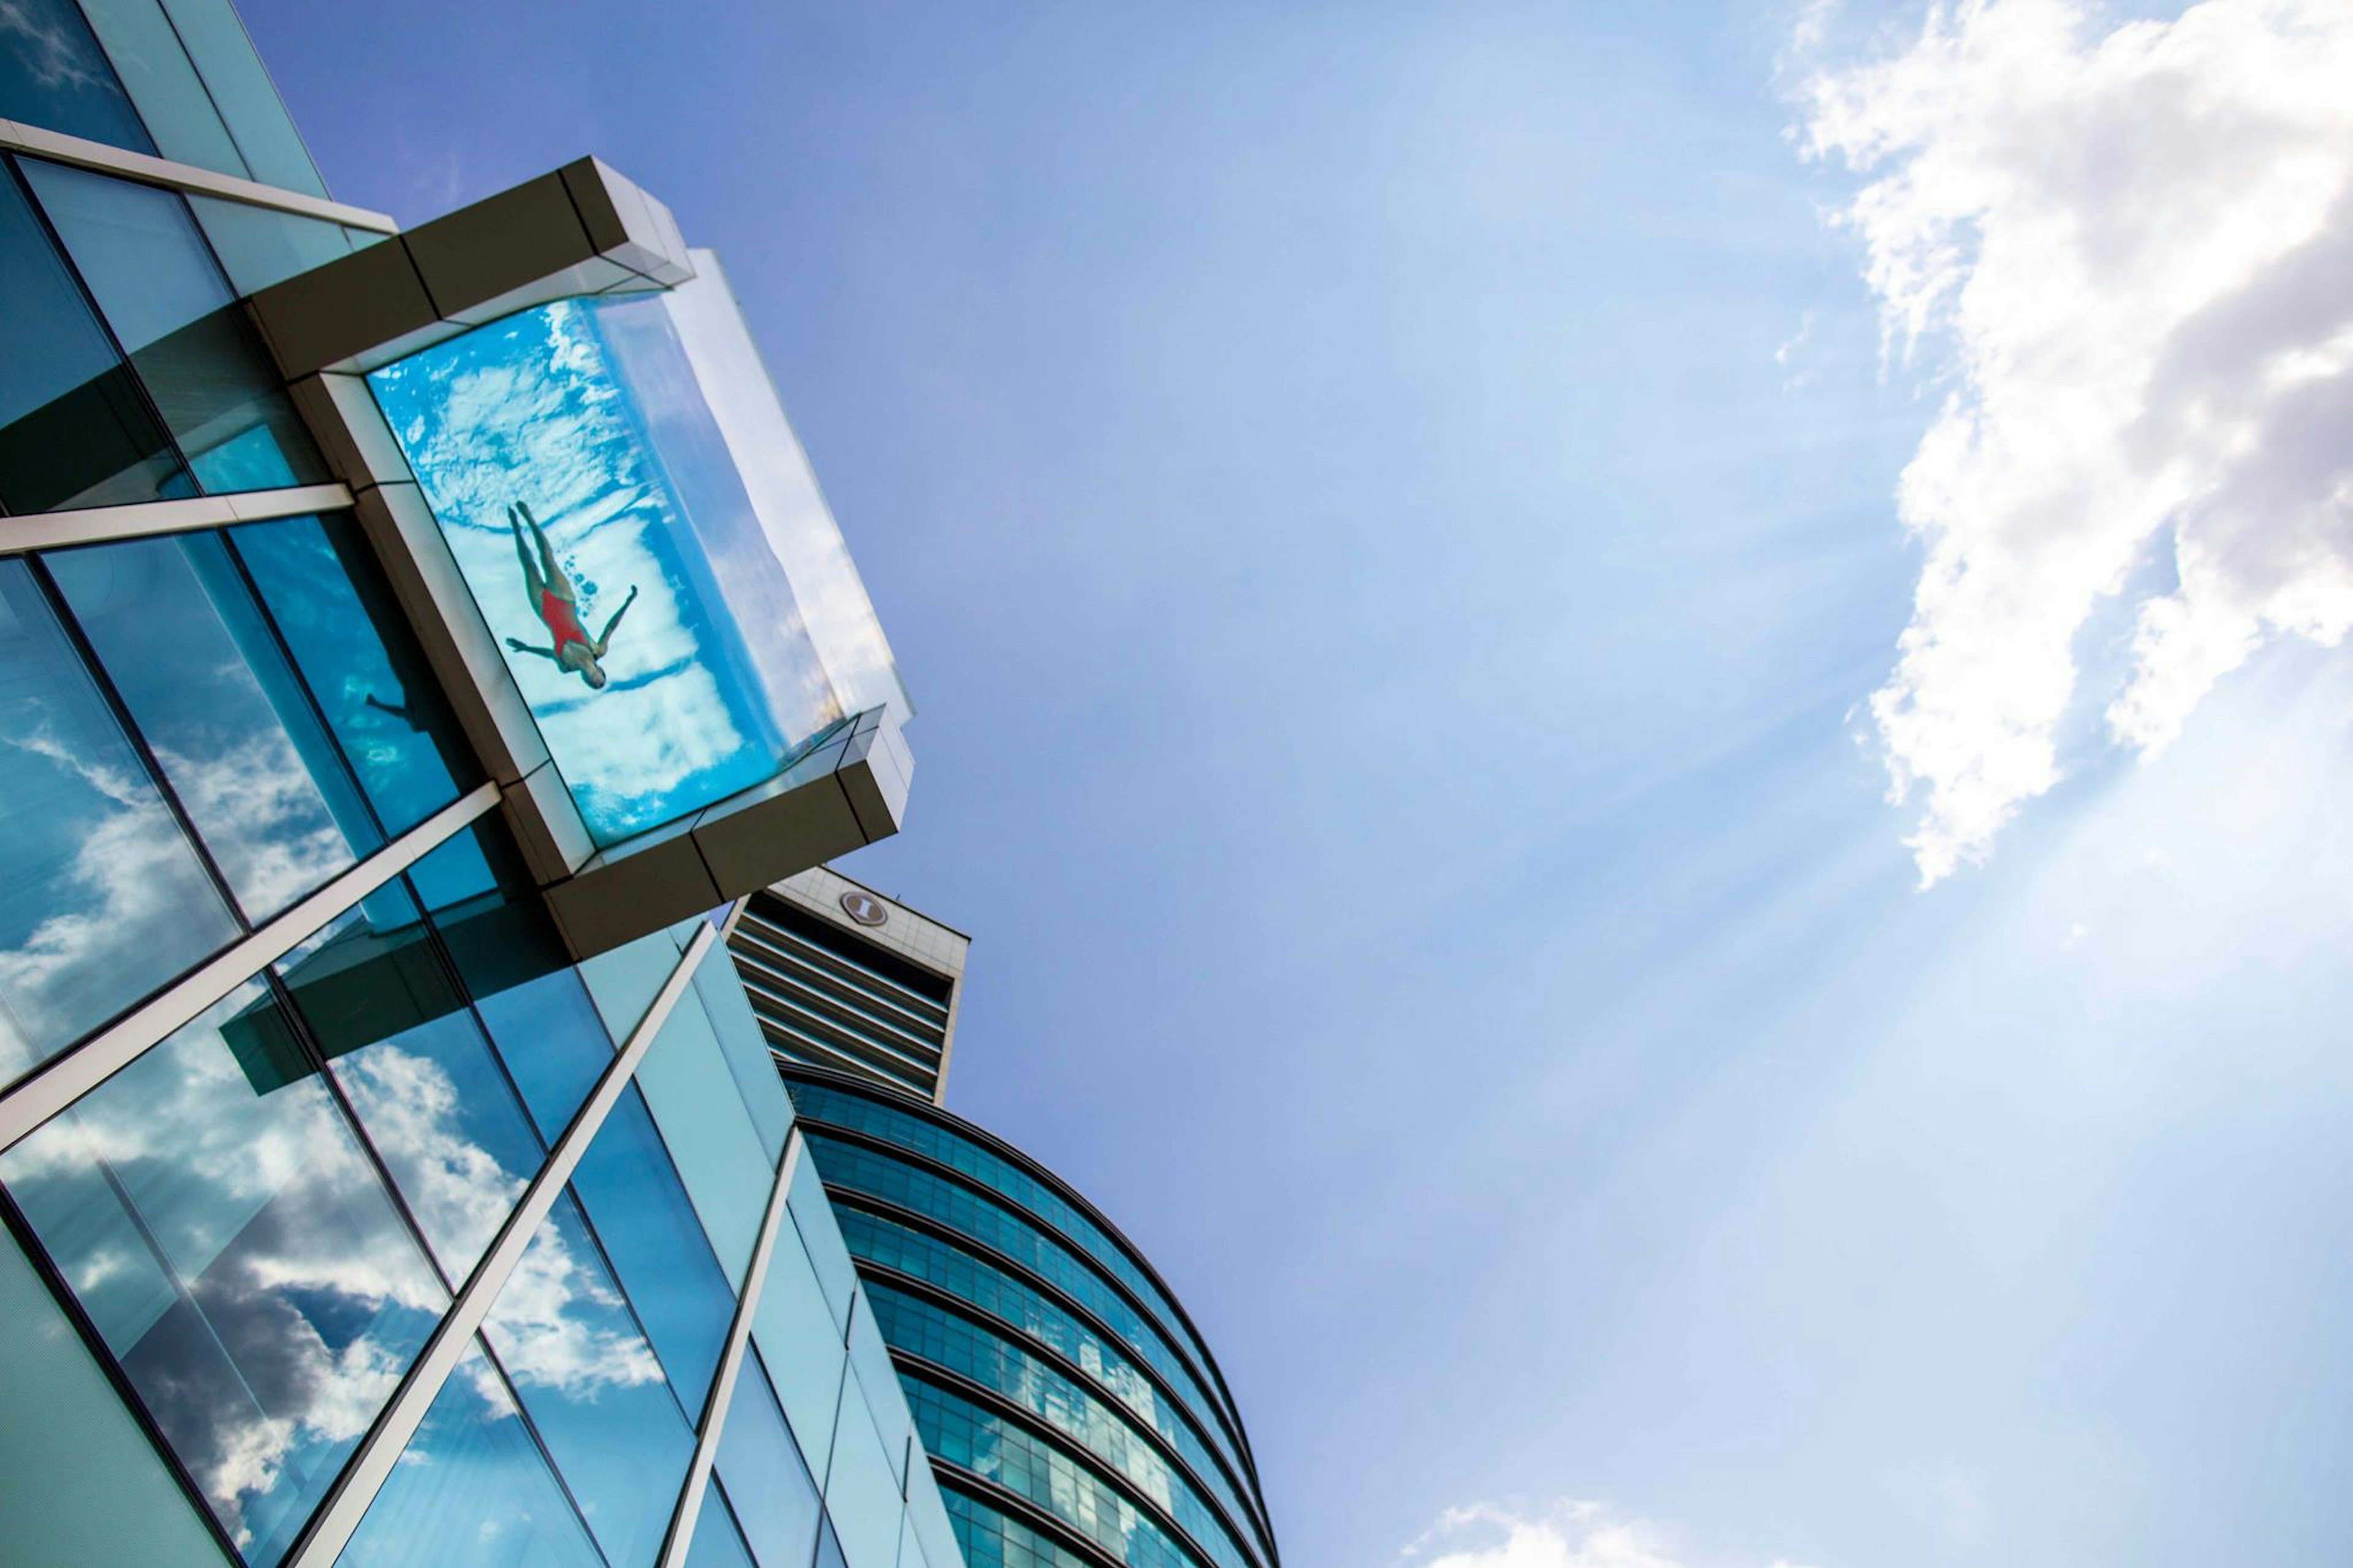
(588, 413)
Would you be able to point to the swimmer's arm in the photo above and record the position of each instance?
(605, 636)
(522, 646)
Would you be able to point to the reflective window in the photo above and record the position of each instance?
(472, 1487)
(703, 1119)
(232, 70)
(592, 1386)
(81, 1486)
(74, 429)
(1008, 1300)
(964, 1347)
(238, 1255)
(656, 1245)
(548, 1031)
(260, 245)
(812, 1214)
(1037, 1198)
(928, 1519)
(1007, 1235)
(717, 1543)
(164, 84)
(961, 1433)
(745, 1047)
(102, 900)
(869, 1363)
(861, 1493)
(348, 637)
(829, 1547)
(195, 353)
(382, 1008)
(226, 719)
(53, 75)
(991, 1539)
(776, 1503)
(514, 963)
(801, 1348)
(626, 980)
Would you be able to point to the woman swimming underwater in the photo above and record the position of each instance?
(557, 603)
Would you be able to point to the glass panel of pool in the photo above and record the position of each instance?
(589, 496)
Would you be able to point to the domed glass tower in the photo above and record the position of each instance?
(1073, 1416)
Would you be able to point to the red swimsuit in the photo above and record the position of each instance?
(563, 621)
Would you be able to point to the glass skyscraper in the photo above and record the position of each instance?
(413, 647)
(1073, 1414)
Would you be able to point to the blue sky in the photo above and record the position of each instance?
(1391, 516)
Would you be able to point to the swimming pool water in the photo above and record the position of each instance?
(589, 412)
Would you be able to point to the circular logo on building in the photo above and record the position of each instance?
(864, 908)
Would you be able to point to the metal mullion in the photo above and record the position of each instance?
(330, 1525)
(596, 1240)
(1189, 1336)
(817, 1025)
(334, 1087)
(721, 1394)
(837, 1059)
(168, 174)
(828, 1002)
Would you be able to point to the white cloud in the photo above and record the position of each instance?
(1571, 1534)
(2128, 253)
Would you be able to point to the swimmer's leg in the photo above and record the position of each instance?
(557, 582)
(533, 583)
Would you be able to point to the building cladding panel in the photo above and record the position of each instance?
(353, 1210)
(1073, 1412)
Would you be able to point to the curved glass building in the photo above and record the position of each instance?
(1074, 1417)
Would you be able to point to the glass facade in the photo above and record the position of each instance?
(1072, 1412)
(174, 77)
(176, 773)
(348, 1214)
(128, 370)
